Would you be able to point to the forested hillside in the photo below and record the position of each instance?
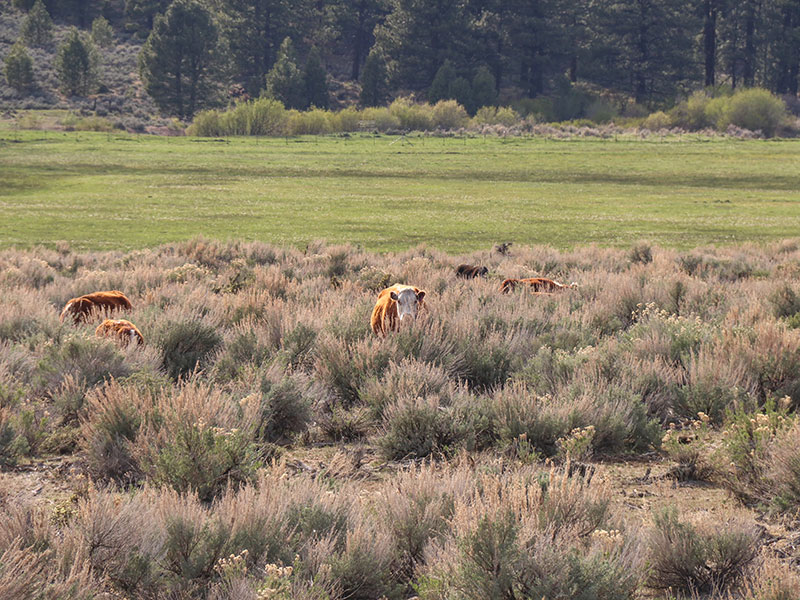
(561, 59)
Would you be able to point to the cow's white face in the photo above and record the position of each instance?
(408, 302)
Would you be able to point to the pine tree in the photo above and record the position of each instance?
(144, 12)
(179, 59)
(102, 34)
(484, 90)
(76, 65)
(461, 92)
(374, 80)
(284, 80)
(37, 28)
(315, 80)
(19, 68)
(442, 83)
(419, 35)
(254, 30)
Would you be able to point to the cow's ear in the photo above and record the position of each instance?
(420, 295)
(393, 296)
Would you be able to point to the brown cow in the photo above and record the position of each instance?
(396, 301)
(123, 330)
(470, 271)
(537, 284)
(81, 308)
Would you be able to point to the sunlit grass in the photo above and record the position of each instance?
(385, 193)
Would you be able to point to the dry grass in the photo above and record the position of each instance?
(254, 352)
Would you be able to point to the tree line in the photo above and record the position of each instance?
(197, 52)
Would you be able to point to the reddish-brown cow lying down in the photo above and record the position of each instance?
(123, 330)
(537, 284)
(394, 304)
(470, 271)
(81, 308)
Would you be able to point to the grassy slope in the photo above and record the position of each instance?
(97, 190)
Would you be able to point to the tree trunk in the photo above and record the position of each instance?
(358, 43)
(749, 44)
(710, 40)
(640, 92)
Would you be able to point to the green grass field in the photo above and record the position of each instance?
(103, 191)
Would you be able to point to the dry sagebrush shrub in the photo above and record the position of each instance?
(193, 438)
(701, 559)
(524, 535)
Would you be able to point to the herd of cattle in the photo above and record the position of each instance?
(394, 304)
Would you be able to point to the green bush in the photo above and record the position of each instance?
(657, 120)
(449, 114)
(87, 360)
(186, 346)
(411, 116)
(204, 460)
(284, 411)
(311, 122)
(415, 428)
(755, 109)
(261, 117)
(380, 118)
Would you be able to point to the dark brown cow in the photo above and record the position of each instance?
(81, 308)
(471, 271)
(537, 284)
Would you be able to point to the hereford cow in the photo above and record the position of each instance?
(125, 331)
(80, 309)
(471, 271)
(399, 300)
(537, 284)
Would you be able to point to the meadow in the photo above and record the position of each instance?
(635, 437)
(386, 193)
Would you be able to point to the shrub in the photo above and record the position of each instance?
(415, 428)
(411, 116)
(491, 115)
(693, 561)
(284, 409)
(186, 346)
(641, 253)
(755, 109)
(408, 378)
(381, 119)
(88, 360)
(204, 460)
(261, 117)
(526, 422)
(312, 122)
(111, 424)
(784, 301)
(8, 450)
(363, 570)
(449, 114)
(657, 120)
